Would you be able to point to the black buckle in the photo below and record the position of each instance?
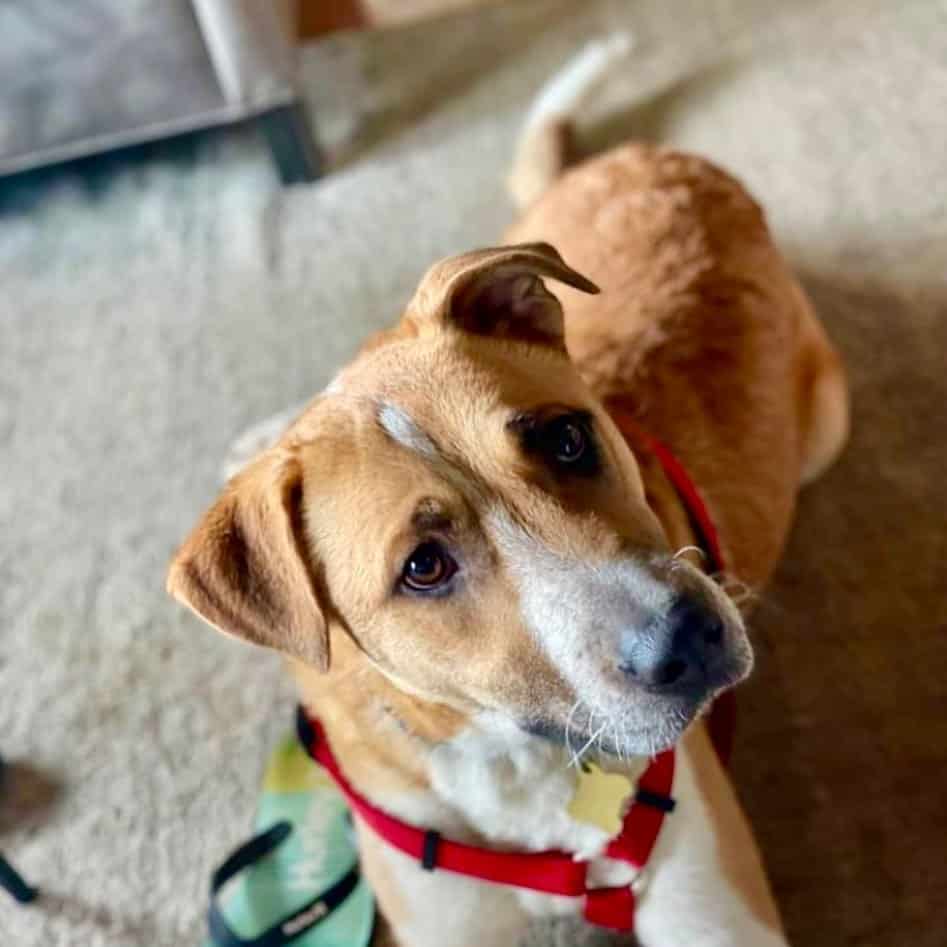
(655, 800)
(305, 731)
(432, 841)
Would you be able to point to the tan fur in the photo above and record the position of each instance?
(244, 570)
(700, 332)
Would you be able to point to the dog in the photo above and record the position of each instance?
(481, 579)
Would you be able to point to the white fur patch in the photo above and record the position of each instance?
(512, 786)
(399, 425)
(495, 782)
(578, 611)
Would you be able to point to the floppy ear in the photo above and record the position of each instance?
(243, 570)
(498, 292)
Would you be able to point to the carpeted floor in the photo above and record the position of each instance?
(153, 306)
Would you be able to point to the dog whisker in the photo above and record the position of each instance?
(575, 707)
(686, 549)
(616, 736)
(741, 594)
(577, 759)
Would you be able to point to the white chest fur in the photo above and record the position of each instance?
(514, 790)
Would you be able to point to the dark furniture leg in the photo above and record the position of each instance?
(294, 149)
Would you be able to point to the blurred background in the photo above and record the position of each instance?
(206, 204)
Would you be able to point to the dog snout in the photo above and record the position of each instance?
(679, 653)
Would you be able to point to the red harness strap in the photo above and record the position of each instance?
(556, 872)
(686, 489)
(551, 872)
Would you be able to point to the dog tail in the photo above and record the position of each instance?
(546, 144)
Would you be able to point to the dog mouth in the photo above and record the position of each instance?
(644, 709)
(604, 739)
(629, 729)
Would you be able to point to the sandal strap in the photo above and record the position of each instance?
(13, 882)
(289, 928)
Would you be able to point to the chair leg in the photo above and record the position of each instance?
(291, 142)
(11, 880)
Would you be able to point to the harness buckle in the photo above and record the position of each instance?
(432, 841)
(305, 731)
(655, 800)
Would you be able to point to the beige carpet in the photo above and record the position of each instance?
(153, 308)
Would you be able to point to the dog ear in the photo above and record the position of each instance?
(243, 568)
(498, 292)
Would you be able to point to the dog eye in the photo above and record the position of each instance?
(427, 568)
(565, 441)
(568, 441)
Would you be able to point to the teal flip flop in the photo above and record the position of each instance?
(297, 881)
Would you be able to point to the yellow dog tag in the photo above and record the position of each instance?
(600, 798)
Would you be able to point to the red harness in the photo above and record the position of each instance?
(556, 872)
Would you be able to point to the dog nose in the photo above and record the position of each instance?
(676, 653)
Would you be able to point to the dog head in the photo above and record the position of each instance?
(460, 505)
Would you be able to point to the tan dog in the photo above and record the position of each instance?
(474, 575)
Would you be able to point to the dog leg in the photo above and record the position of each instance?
(707, 886)
(828, 419)
(823, 407)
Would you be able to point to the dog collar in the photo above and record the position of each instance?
(557, 872)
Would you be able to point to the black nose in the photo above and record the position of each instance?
(677, 652)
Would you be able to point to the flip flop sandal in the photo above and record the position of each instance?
(297, 881)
